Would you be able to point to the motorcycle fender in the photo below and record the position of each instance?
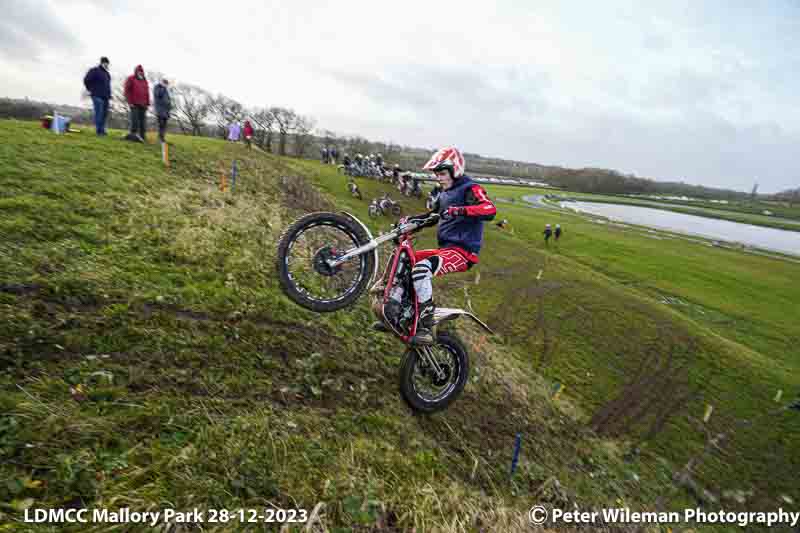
(375, 251)
(442, 314)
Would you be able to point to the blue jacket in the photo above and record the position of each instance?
(98, 82)
(463, 231)
(162, 101)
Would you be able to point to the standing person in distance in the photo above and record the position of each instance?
(98, 82)
(248, 134)
(163, 104)
(137, 94)
(234, 131)
(558, 232)
(548, 232)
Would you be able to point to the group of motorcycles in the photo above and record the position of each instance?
(365, 169)
(405, 183)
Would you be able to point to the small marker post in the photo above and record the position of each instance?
(707, 415)
(165, 153)
(479, 345)
(234, 173)
(515, 458)
(558, 388)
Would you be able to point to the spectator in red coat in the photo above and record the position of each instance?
(137, 94)
(248, 133)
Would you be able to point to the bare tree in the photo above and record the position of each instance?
(225, 110)
(265, 122)
(328, 138)
(285, 120)
(302, 134)
(191, 108)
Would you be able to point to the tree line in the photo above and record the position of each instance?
(199, 112)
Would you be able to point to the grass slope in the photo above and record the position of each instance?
(148, 358)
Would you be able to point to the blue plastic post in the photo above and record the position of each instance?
(514, 460)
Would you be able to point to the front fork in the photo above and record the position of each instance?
(426, 353)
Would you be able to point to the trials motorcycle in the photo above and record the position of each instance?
(384, 206)
(326, 261)
(352, 186)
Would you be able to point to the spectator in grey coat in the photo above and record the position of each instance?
(163, 104)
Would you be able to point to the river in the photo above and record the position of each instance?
(777, 240)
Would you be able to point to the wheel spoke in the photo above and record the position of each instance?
(425, 381)
(305, 262)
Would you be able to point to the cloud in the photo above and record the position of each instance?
(30, 27)
(675, 90)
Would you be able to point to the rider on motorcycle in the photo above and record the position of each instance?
(463, 206)
(396, 173)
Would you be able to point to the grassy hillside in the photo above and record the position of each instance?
(612, 297)
(148, 358)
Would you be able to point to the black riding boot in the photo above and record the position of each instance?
(425, 324)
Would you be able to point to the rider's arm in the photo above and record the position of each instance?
(477, 205)
(431, 222)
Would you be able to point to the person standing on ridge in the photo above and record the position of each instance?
(163, 104)
(248, 134)
(234, 131)
(137, 94)
(98, 82)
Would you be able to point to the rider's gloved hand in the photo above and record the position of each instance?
(457, 211)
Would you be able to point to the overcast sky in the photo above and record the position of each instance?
(705, 92)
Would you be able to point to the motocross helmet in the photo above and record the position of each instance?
(449, 159)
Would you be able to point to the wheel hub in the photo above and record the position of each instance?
(320, 261)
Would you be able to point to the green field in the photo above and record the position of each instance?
(148, 358)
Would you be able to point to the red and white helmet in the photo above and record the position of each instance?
(447, 158)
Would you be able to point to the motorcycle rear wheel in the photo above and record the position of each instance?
(304, 275)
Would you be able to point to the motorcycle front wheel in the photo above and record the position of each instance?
(427, 390)
(303, 271)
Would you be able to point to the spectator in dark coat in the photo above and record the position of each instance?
(137, 94)
(558, 231)
(98, 82)
(163, 104)
(548, 232)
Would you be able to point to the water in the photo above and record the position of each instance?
(777, 240)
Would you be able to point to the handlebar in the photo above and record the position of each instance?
(412, 226)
